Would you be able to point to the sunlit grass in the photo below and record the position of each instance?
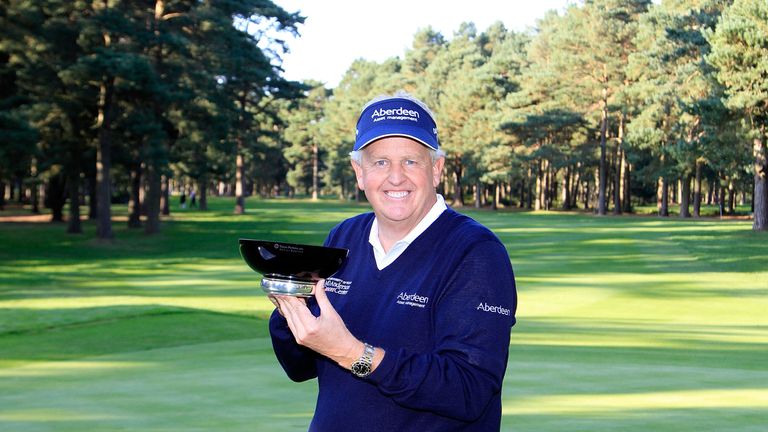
(624, 323)
(612, 403)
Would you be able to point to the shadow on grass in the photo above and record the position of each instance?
(196, 256)
(627, 375)
(125, 329)
(704, 419)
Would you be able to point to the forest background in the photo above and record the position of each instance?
(607, 105)
(119, 108)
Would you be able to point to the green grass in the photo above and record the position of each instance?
(711, 210)
(624, 323)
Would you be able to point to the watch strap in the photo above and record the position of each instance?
(362, 366)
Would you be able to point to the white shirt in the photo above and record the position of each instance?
(384, 259)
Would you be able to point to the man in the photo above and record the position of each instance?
(412, 333)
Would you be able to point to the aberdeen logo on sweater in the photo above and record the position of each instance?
(337, 286)
(485, 307)
(414, 300)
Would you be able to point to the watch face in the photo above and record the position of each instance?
(361, 369)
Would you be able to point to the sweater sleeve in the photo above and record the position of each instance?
(461, 373)
(297, 361)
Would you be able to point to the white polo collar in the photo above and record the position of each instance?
(383, 259)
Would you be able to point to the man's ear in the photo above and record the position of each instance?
(437, 171)
(358, 174)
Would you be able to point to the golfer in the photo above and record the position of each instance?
(412, 333)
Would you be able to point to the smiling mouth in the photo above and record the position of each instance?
(398, 194)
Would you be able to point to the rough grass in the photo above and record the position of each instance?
(625, 323)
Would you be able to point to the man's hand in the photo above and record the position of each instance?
(326, 334)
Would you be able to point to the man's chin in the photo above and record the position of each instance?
(395, 215)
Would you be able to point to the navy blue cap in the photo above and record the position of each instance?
(396, 117)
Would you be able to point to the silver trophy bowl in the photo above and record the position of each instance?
(291, 268)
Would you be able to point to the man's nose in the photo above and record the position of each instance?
(396, 174)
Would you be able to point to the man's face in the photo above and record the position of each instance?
(399, 179)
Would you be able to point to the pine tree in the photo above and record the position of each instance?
(740, 53)
(591, 51)
(303, 155)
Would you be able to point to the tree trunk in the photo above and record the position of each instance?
(35, 196)
(239, 178)
(152, 201)
(92, 209)
(104, 161)
(721, 199)
(134, 199)
(697, 191)
(56, 197)
(545, 188)
(553, 187)
(458, 194)
(529, 188)
(35, 186)
(760, 196)
(165, 196)
(619, 175)
(731, 197)
(568, 188)
(663, 197)
(538, 204)
(478, 192)
(601, 198)
(143, 188)
(73, 185)
(315, 171)
(685, 196)
(575, 185)
(18, 185)
(627, 184)
(203, 192)
(158, 182)
(675, 192)
(587, 194)
(622, 170)
(617, 184)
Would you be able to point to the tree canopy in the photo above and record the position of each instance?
(603, 106)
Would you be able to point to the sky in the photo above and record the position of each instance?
(336, 32)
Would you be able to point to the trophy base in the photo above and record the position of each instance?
(291, 287)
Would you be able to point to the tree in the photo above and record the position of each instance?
(498, 77)
(544, 116)
(303, 155)
(591, 53)
(674, 91)
(740, 54)
(426, 46)
(249, 76)
(454, 93)
(17, 135)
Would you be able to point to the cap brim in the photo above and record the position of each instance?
(415, 133)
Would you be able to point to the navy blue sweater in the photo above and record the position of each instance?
(442, 312)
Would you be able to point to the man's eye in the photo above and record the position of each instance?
(409, 162)
(380, 163)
